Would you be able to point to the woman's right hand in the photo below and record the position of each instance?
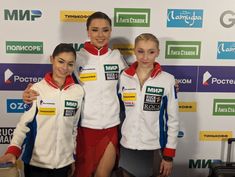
(29, 95)
(8, 158)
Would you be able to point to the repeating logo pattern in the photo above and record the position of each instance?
(227, 19)
(24, 47)
(224, 107)
(74, 16)
(226, 50)
(18, 76)
(22, 15)
(183, 49)
(130, 17)
(185, 18)
(185, 54)
(6, 134)
(15, 106)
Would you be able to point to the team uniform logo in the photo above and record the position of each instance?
(111, 71)
(87, 74)
(129, 98)
(152, 98)
(46, 111)
(47, 108)
(71, 108)
(88, 77)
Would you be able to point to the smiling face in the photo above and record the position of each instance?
(99, 32)
(63, 65)
(146, 52)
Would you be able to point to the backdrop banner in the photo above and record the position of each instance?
(197, 46)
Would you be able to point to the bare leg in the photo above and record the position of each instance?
(107, 162)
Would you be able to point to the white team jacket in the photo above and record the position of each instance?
(151, 112)
(98, 71)
(48, 129)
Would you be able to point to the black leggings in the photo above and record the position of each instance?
(32, 171)
(141, 162)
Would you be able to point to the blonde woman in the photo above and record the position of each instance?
(151, 108)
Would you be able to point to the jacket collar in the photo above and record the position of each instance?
(93, 50)
(68, 81)
(132, 69)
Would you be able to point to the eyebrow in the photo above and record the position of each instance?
(64, 60)
(94, 27)
(144, 49)
(61, 58)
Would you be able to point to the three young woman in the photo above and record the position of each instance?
(98, 70)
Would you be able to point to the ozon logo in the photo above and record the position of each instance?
(227, 19)
(16, 106)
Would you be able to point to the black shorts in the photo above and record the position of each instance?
(32, 171)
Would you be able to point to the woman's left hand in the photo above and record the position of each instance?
(166, 168)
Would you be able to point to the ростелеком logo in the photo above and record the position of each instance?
(184, 18)
(206, 77)
(7, 75)
(18, 76)
(216, 79)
